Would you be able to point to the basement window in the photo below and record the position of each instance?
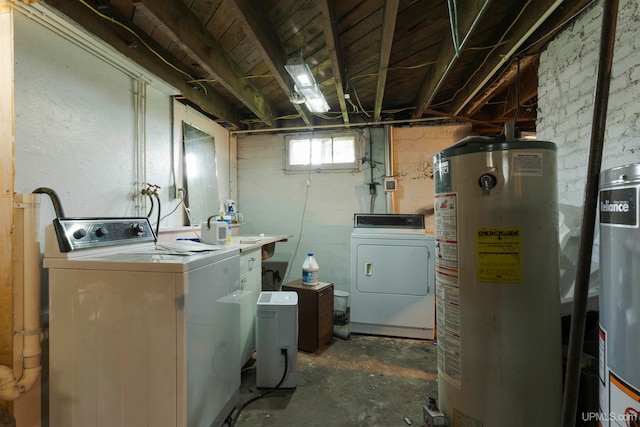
(336, 152)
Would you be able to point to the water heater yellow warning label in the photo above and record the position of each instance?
(499, 255)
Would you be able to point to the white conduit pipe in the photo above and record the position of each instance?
(27, 266)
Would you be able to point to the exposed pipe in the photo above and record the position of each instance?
(581, 293)
(14, 384)
(143, 134)
(338, 126)
(388, 164)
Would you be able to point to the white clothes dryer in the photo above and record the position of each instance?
(392, 276)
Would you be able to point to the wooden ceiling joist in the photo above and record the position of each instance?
(527, 75)
(174, 18)
(332, 38)
(470, 14)
(514, 34)
(388, 29)
(265, 39)
(212, 102)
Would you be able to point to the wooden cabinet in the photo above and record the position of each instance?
(315, 314)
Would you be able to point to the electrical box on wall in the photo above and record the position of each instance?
(390, 184)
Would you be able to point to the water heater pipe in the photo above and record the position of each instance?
(14, 384)
(581, 293)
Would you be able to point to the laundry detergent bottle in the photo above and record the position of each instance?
(310, 270)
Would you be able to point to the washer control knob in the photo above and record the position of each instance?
(79, 233)
(138, 229)
(100, 232)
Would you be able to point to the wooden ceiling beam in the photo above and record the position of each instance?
(528, 82)
(332, 39)
(185, 30)
(515, 34)
(470, 14)
(212, 102)
(388, 28)
(528, 73)
(264, 37)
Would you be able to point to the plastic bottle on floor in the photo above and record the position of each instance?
(310, 271)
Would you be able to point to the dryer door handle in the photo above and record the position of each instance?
(368, 269)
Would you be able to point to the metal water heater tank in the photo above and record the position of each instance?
(497, 274)
(620, 296)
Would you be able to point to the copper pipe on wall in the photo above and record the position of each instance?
(581, 293)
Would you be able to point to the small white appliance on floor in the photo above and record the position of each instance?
(139, 335)
(276, 330)
(392, 276)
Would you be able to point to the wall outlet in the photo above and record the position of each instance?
(173, 192)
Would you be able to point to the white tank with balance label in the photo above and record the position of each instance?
(497, 297)
(620, 296)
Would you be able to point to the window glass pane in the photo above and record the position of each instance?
(324, 152)
(344, 150)
(299, 152)
(321, 151)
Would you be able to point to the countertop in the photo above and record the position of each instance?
(248, 243)
(243, 242)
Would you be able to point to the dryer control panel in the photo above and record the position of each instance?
(395, 221)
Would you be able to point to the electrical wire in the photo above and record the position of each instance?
(153, 51)
(188, 212)
(284, 351)
(304, 212)
(515, 119)
(556, 28)
(159, 210)
(486, 58)
(151, 208)
(522, 50)
(174, 209)
(355, 93)
(453, 20)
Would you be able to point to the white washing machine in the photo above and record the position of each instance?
(139, 335)
(392, 276)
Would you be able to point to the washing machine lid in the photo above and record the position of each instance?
(142, 259)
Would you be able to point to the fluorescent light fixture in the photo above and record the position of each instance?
(305, 84)
(300, 73)
(317, 105)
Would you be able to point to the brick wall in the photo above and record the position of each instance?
(413, 150)
(567, 80)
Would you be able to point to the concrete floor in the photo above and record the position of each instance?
(364, 381)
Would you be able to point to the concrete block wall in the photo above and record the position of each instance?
(566, 88)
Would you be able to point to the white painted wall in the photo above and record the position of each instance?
(76, 128)
(320, 216)
(76, 123)
(316, 208)
(567, 78)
